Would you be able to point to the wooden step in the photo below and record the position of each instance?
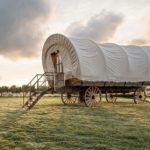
(34, 99)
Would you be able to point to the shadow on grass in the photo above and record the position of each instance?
(13, 116)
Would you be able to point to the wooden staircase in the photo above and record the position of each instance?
(37, 88)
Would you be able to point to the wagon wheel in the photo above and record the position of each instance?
(111, 97)
(68, 98)
(139, 96)
(92, 97)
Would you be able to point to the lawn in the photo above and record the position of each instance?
(50, 125)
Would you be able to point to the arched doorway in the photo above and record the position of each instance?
(57, 62)
(58, 69)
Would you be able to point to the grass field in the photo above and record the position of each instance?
(50, 125)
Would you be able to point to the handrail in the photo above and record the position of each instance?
(38, 75)
(33, 79)
(41, 75)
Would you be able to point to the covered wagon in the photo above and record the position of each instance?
(83, 69)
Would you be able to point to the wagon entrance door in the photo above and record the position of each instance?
(58, 69)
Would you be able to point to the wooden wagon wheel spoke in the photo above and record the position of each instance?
(139, 96)
(88, 93)
(89, 102)
(92, 91)
(68, 99)
(92, 97)
(111, 97)
(96, 90)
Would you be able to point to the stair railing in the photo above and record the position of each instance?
(37, 82)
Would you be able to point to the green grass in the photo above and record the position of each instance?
(50, 125)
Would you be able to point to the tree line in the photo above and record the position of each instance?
(6, 90)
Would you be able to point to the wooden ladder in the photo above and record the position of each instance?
(37, 88)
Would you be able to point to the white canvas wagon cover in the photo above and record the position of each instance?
(87, 60)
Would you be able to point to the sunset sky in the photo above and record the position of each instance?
(25, 25)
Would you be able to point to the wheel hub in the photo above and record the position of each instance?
(93, 97)
(69, 96)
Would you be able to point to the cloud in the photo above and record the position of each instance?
(142, 40)
(100, 27)
(20, 26)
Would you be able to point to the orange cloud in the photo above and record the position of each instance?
(140, 41)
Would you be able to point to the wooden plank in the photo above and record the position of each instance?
(59, 80)
(77, 82)
(133, 84)
(119, 84)
(146, 83)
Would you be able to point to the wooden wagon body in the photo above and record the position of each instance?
(73, 89)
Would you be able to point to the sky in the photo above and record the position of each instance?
(26, 24)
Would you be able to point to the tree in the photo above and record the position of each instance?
(4, 89)
(13, 89)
